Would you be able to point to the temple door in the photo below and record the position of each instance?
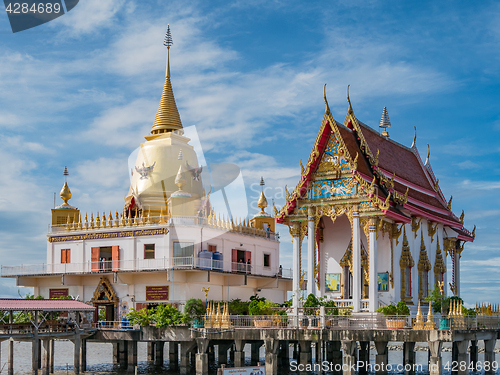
(116, 257)
(94, 259)
(234, 261)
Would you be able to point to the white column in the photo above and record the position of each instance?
(311, 238)
(296, 270)
(356, 261)
(372, 288)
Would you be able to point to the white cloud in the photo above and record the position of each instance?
(90, 15)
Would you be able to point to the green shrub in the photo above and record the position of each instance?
(142, 317)
(400, 309)
(261, 307)
(194, 308)
(168, 315)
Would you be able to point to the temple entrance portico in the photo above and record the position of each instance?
(105, 301)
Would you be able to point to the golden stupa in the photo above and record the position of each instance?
(166, 150)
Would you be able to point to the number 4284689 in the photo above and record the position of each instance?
(25, 8)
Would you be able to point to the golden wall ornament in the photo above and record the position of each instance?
(431, 230)
(415, 226)
(406, 261)
(439, 265)
(396, 233)
(424, 266)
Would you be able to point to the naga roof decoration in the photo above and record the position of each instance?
(391, 176)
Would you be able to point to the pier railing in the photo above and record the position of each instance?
(351, 322)
(145, 265)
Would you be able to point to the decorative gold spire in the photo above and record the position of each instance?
(180, 181)
(65, 193)
(167, 117)
(262, 203)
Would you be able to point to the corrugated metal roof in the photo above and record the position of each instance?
(13, 304)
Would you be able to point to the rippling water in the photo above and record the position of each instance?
(100, 359)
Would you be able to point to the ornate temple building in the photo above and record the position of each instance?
(167, 244)
(379, 228)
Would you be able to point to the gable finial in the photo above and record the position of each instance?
(385, 123)
(349, 101)
(327, 110)
(428, 154)
(414, 138)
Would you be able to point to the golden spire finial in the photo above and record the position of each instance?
(262, 203)
(414, 143)
(65, 193)
(167, 117)
(428, 154)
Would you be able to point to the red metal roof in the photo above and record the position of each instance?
(13, 304)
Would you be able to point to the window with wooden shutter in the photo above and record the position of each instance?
(94, 259)
(65, 255)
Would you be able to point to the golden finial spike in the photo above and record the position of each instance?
(414, 138)
(167, 117)
(327, 110)
(349, 101)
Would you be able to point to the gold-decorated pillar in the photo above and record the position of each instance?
(311, 241)
(296, 269)
(356, 261)
(372, 256)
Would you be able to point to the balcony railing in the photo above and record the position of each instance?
(225, 224)
(137, 265)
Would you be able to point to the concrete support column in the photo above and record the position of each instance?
(473, 354)
(372, 287)
(131, 356)
(46, 357)
(83, 355)
(239, 354)
(311, 239)
(187, 348)
(76, 361)
(116, 354)
(211, 354)
(356, 262)
(151, 352)
(11, 357)
(364, 356)
(296, 272)
(382, 357)
(52, 355)
(463, 357)
(409, 357)
(348, 360)
(159, 348)
(272, 346)
(255, 352)
(123, 354)
(173, 354)
(202, 356)
(334, 355)
(489, 354)
(305, 354)
(222, 349)
(34, 346)
(435, 361)
(39, 354)
(284, 353)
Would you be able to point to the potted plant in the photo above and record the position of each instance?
(261, 309)
(441, 304)
(311, 309)
(395, 314)
(194, 310)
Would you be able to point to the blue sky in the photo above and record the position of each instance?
(82, 91)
